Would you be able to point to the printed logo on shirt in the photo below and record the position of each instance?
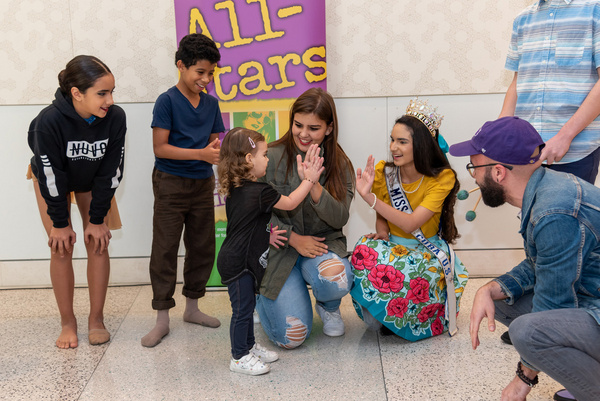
(77, 150)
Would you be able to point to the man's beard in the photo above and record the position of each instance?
(492, 193)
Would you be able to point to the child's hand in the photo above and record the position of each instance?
(364, 179)
(312, 167)
(276, 237)
(210, 153)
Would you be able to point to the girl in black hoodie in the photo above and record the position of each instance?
(78, 145)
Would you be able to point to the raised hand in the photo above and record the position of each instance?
(312, 166)
(364, 179)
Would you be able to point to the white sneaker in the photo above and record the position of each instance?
(249, 365)
(264, 354)
(333, 325)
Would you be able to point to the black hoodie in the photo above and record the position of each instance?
(71, 155)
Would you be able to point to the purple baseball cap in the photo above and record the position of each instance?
(509, 140)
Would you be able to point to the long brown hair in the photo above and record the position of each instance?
(320, 103)
(430, 160)
(233, 167)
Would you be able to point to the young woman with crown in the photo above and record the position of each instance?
(407, 279)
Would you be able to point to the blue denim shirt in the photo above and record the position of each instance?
(560, 225)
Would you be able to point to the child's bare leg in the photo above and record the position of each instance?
(98, 272)
(160, 330)
(193, 315)
(63, 282)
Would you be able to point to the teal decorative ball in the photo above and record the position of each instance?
(471, 215)
(462, 194)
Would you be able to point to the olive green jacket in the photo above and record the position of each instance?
(323, 219)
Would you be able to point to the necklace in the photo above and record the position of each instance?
(416, 189)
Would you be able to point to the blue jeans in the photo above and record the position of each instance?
(287, 320)
(563, 343)
(241, 331)
(586, 168)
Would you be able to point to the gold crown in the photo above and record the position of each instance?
(426, 113)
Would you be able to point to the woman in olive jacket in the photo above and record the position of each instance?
(315, 253)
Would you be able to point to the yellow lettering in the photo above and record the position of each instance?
(197, 19)
(310, 63)
(264, 11)
(281, 63)
(259, 77)
(219, 88)
(235, 26)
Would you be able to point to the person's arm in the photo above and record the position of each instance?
(483, 307)
(406, 222)
(163, 150)
(510, 99)
(558, 145)
(310, 170)
(382, 229)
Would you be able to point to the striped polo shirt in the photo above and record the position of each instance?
(555, 48)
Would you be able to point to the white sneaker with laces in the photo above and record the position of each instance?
(333, 325)
(264, 354)
(249, 365)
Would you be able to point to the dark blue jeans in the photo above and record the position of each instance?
(586, 168)
(243, 300)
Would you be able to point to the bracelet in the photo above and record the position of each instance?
(374, 202)
(525, 379)
(309, 180)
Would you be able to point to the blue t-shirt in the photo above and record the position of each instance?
(189, 128)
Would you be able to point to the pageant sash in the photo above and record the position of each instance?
(400, 202)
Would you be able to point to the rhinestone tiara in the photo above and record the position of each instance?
(426, 113)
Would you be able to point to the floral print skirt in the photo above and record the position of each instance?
(402, 285)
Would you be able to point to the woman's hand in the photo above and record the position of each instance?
(99, 234)
(307, 245)
(61, 240)
(364, 179)
(276, 237)
(383, 236)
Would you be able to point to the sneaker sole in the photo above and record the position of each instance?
(250, 372)
(334, 334)
(266, 360)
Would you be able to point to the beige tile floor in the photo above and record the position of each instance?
(192, 361)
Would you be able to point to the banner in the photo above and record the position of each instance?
(271, 52)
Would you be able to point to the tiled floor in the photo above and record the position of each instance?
(192, 361)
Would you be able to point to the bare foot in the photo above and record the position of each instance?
(68, 336)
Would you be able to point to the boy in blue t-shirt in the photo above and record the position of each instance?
(185, 126)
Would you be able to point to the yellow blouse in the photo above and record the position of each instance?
(431, 195)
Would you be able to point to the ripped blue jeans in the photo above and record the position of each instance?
(288, 319)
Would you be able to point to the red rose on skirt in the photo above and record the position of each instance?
(364, 258)
(428, 312)
(437, 327)
(397, 307)
(386, 279)
(419, 290)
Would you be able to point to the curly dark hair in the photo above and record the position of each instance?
(195, 47)
(233, 167)
(430, 160)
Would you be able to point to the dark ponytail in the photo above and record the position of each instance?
(81, 73)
